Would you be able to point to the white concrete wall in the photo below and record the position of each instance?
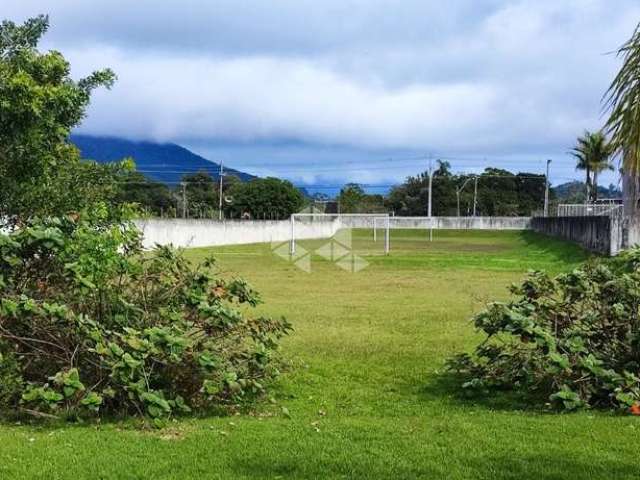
(207, 233)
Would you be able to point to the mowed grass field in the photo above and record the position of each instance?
(364, 395)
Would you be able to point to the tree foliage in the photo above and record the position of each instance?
(593, 155)
(623, 101)
(152, 197)
(269, 198)
(572, 340)
(40, 105)
(202, 194)
(353, 199)
(88, 323)
(500, 193)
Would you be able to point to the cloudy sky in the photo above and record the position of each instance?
(334, 90)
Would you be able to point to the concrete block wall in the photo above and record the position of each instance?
(209, 233)
(597, 234)
(205, 233)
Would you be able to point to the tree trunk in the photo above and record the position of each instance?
(588, 185)
(630, 189)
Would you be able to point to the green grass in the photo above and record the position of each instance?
(365, 391)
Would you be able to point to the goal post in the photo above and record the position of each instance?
(341, 221)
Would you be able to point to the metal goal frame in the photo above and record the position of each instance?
(374, 216)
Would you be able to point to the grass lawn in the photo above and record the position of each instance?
(365, 393)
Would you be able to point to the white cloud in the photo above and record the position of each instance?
(492, 77)
(266, 98)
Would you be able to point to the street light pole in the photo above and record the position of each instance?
(430, 200)
(546, 191)
(459, 191)
(475, 195)
(430, 188)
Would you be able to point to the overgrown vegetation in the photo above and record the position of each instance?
(89, 323)
(572, 340)
(499, 193)
(40, 105)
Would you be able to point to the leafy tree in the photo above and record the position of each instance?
(40, 105)
(88, 321)
(500, 192)
(152, 197)
(411, 197)
(202, 194)
(593, 155)
(497, 193)
(264, 198)
(444, 190)
(350, 198)
(530, 188)
(353, 199)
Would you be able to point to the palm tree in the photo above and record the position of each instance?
(593, 153)
(623, 125)
(580, 153)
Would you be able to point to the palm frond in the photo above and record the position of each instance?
(622, 99)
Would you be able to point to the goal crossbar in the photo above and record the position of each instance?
(374, 216)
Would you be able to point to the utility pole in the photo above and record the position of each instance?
(184, 199)
(220, 192)
(430, 187)
(475, 195)
(430, 200)
(546, 191)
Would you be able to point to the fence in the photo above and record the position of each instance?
(589, 210)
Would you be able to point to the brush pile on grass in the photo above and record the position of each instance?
(572, 341)
(89, 323)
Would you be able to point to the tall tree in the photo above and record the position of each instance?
(151, 196)
(40, 171)
(202, 194)
(264, 198)
(582, 163)
(593, 154)
(351, 198)
(623, 126)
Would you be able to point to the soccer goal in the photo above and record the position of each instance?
(308, 226)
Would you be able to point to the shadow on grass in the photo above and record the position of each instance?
(501, 463)
(545, 466)
(362, 464)
(562, 250)
(448, 386)
(125, 421)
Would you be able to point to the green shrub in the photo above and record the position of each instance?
(572, 341)
(90, 323)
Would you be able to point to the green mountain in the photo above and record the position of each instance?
(164, 162)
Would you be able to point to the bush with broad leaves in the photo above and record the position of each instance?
(90, 323)
(572, 341)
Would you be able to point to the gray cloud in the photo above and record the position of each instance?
(483, 77)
